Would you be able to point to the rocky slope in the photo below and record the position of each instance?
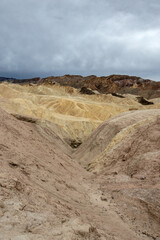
(110, 84)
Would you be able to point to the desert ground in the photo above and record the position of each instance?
(107, 187)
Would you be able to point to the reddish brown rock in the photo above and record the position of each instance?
(110, 84)
(105, 84)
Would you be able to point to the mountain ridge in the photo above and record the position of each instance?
(105, 84)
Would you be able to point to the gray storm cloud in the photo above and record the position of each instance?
(80, 37)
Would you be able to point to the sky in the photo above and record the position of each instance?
(100, 37)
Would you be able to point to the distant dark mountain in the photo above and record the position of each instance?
(20, 81)
(3, 79)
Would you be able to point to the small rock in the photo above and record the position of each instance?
(13, 164)
(2, 205)
(143, 178)
(103, 198)
(85, 90)
(63, 220)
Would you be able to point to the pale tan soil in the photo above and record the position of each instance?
(44, 194)
(125, 153)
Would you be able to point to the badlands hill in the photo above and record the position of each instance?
(77, 114)
(46, 194)
(124, 152)
(110, 84)
(108, 134)
(106, 84)
(106, 189)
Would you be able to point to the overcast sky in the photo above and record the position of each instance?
(102, 37)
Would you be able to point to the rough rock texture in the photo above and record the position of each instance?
(85, 90)
(102, 84)
(44, 194)
(144, 101)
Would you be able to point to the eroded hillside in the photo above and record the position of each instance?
(45, 190)
(44, 194)
(78, 114)
(124, 155)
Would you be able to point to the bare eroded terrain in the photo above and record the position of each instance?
(77, 114)
(107, 189)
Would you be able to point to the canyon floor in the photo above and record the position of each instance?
(106, 189)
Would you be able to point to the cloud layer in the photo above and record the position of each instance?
(80, 37)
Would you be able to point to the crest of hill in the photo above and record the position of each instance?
(110, 84)
(105, 84)
(105, 134)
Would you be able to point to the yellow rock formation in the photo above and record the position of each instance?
(77, 114)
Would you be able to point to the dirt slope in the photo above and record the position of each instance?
(134, 161)
(44, 194)
(103, 136)
(124, 152)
